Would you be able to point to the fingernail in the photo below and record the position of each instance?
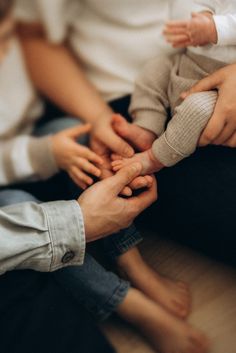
(129, 152)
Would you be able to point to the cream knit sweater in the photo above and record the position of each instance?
(22, 157)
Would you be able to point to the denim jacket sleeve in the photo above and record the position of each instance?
(43, 237)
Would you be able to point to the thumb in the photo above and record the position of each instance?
(206, 84)
(116, 144)
(78, 130)
(124, 177)
(195, 14)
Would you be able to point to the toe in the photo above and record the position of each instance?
(116, 157)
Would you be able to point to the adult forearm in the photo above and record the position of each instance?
(57, 74)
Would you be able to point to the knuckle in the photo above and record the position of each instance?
(231, 144)
(208, 136)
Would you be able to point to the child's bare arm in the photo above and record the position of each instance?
(200, 30)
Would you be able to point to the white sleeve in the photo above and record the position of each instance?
(205, 5)
(226, 29)
(52, 14)
(25, 158)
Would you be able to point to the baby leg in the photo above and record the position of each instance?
(141, 138)
(184, 129)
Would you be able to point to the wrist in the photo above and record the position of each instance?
(56, 154)
(103, 116)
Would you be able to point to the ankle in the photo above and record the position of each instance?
(132, 309)
(155, 162)
(130, 261)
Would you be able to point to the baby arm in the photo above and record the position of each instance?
(200, 30)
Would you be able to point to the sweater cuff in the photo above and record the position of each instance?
(166, 153)
(225, 27)
(67, 233)
(41, 157)
(150, 120)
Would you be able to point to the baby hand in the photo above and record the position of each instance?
(75, 159)
(198, 31)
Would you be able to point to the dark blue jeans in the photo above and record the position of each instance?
(98, 290)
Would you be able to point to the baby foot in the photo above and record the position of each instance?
(171, 294)
(149, 163)
(140, 138)
(165, 332)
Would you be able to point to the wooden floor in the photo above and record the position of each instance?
(213, 288)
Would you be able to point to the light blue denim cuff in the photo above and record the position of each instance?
(66, 232)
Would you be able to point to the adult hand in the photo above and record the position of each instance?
(103, 132)
(98, 143)
(105, 212)
(221, 129)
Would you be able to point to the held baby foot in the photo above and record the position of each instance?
(149, 163)
(140, 138)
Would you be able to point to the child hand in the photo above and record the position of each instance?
(75, 159)
(198, 31)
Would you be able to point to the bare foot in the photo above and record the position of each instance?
(149, 163)
(165, 332)
(173, 295)
(140, 138)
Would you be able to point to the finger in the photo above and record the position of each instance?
(116, 157)
(116, 168)
(88, 167)
(177, 39)
(107, 173)
(183, 44)
(180, 24)
(214, 127)
(225, 134)
(77, 181)
(87, 153)
(145, 199)
(124, 177)
(81, 176)
(174, 30)
(126, 191)
(117, 163)
(141, 182)
(196, 14)
(116, 144)
(206, 84)
(78, 130)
